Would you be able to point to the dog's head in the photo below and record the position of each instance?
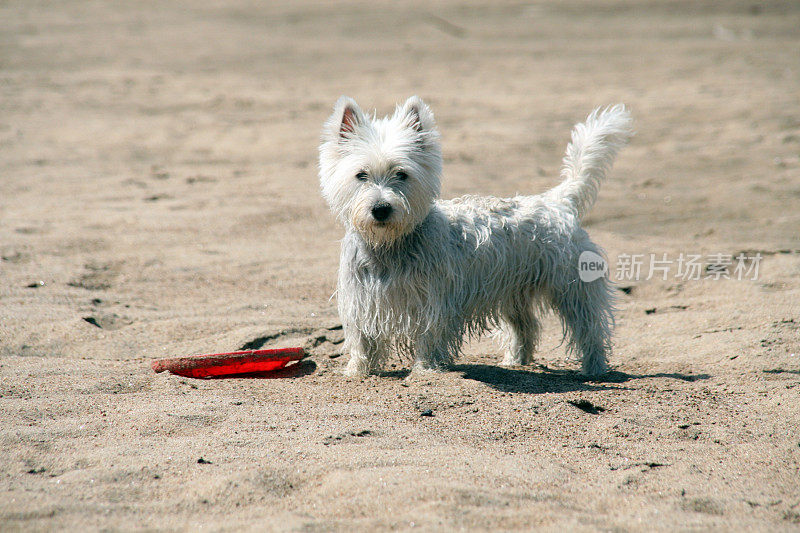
(380, 176)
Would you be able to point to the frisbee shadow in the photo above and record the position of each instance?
(292, 371)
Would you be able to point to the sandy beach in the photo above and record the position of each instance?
(159, 197)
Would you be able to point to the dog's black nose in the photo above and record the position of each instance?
(381, 211)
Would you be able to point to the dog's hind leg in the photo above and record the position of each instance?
(520, 332)
(586, 310)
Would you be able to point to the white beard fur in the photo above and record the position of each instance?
(436, 271)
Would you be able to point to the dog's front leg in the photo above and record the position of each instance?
(366, 354)
(434, 350)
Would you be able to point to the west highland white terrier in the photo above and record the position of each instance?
(417, 274)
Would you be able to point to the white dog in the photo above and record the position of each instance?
(418, 273)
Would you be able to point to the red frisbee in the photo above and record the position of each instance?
(229, 364)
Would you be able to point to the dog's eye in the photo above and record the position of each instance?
(361, 176)
(402, 176)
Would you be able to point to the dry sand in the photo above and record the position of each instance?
(157, 174)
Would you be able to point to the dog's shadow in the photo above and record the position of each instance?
(542, 379)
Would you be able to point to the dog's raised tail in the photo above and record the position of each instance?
(590, 154)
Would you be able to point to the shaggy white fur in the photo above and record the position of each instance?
(418, 274)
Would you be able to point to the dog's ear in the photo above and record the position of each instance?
(418, 115)
(346, 117)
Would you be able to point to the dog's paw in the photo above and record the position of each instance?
(516, 358)
(357, 367)
(511, 360)
(594, 369)
(427, 367)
